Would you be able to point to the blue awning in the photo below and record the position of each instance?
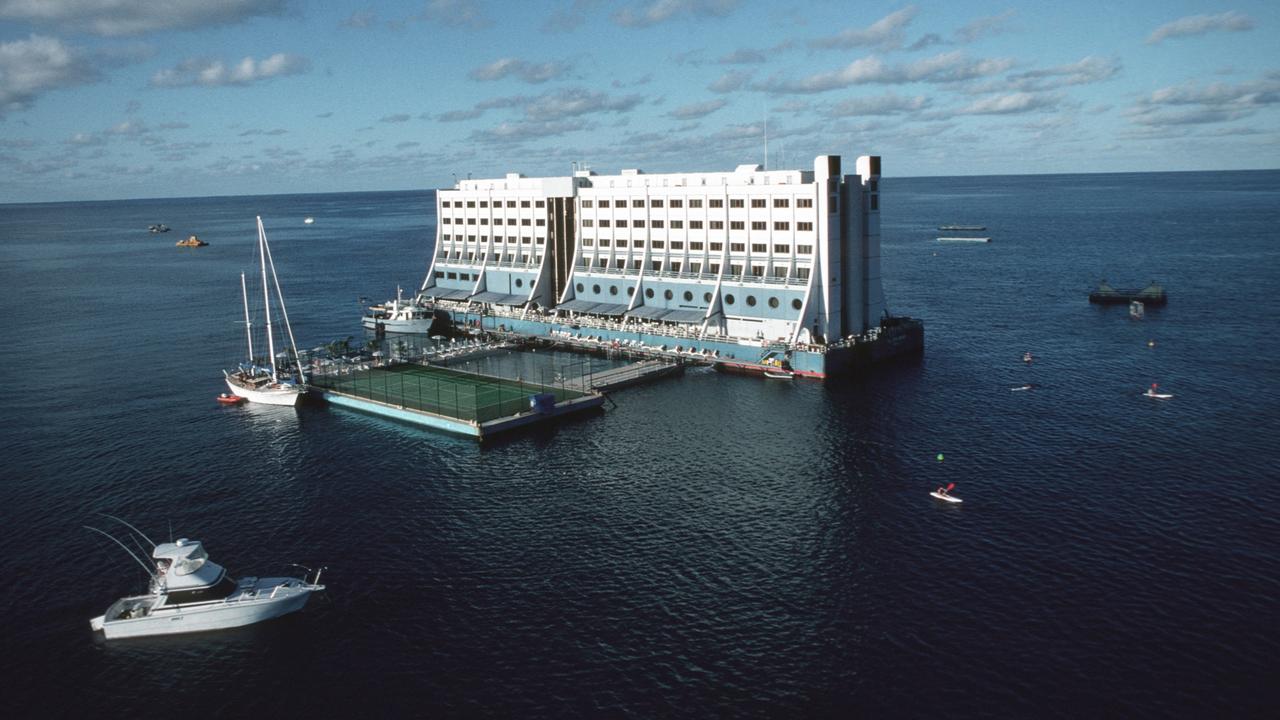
(647, 312)
(692, 317)
(441, 293)
(488, 297)
(514, 300)
(611, 309)
(576, 305)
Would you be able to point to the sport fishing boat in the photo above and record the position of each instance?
(189, 592)
(398, 316)
(261, 384)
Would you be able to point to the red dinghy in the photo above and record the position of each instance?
(228, 399)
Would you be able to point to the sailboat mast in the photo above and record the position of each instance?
(248, 326)
(284, 311)
(266, 296)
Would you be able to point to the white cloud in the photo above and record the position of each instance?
(1089, 69)
(659, 11)
(887, 104)
(213, 73)
(1010, 104)
(885, 33)
(730, 81)
(456, 13)
(697, 110)
(1193, 104)
(577, 101)
(532, 73)
(134, 17)
(984, 27)
(944, 68)
(32, 67)
(360, 19)
(1230, 21)
(516, 132)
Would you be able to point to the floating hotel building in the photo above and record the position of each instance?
(756, 267)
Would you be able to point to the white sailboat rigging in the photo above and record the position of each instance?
(262, 384)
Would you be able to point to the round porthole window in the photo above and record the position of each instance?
(728, 299)
(631, 291)
(519, 282)
(578, 287)
(666, 294)
(795, 304)
(773, 302)
(688, 296)
(613, 289)
(595, 289)
(751, 300)
(648, 292)
(706, 298)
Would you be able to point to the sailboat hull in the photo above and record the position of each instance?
(287, 395)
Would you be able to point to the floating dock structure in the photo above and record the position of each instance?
(752, 270)
(455, 401)
(1152, 294)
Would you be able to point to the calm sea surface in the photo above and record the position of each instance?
(712, 546)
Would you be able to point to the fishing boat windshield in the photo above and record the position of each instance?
(185, 556)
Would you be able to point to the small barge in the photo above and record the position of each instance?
(1152, 294)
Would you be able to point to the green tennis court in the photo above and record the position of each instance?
(440, 390)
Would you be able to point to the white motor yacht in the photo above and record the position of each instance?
(190, 593)
(398, 316)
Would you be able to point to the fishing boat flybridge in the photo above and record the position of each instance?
(261, 384)
(189, 592)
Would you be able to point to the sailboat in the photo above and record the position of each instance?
(261, 384)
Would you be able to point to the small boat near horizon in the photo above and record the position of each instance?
(261, 384)
(159, 228)
(192, 241)
(1137, 310)
(308, 220)
(188, 593)
(962, 228)
(965, 239)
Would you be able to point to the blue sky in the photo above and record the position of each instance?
(103, 99)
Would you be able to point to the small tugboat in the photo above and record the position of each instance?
(192, 241)
(158, 228)
(190, 593)
(229, 399)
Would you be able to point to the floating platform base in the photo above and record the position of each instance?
(454, 401)
(1150, 295)
(895, 337)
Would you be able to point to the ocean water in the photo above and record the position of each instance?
(713, 545)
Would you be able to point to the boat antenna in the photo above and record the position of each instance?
(122, 522)
(126, 549)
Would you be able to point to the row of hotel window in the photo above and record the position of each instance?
(729, 299)
(697, 202)
(780, 271)
(694, 246)
(485, 203)
(697, 224)
(640, 202)
(540, 222)
(472, 238)
(714, 247)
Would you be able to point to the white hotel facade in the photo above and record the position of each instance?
(790, 255)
